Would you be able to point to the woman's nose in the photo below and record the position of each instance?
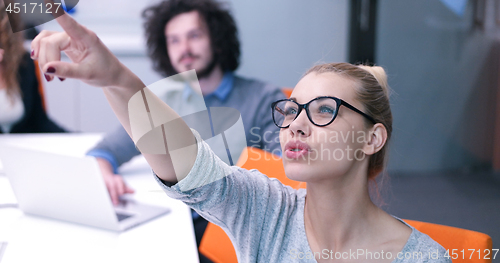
(301, 126)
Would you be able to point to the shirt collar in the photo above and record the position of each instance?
(222, 91)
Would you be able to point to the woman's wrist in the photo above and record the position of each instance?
(126, 79)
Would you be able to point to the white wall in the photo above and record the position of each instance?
(280, 40)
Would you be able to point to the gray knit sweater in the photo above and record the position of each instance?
(264, 218)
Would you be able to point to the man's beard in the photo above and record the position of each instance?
(206, 71)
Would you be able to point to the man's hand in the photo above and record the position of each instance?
(114, 183)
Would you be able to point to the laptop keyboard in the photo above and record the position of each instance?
(122, 216)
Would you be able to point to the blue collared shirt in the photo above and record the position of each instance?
(222, 91)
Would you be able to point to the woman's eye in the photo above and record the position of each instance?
(290, 111)
(326, 109)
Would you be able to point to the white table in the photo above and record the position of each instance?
(169, 238)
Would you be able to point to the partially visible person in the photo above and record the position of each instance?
(21, 108)
(200, 35)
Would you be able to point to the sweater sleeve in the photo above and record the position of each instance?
(252, 208)
(117, 145)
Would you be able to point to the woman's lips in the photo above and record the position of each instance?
(296, 149)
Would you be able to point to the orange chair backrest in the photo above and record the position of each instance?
(457, 239)
(268, 164)
(215, 243)
(287, 91)
(40, 84)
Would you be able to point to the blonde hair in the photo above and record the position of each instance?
(12, 44)
(373, 92)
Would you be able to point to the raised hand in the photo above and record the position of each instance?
(92, 62)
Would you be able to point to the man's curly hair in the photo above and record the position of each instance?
(223, 32)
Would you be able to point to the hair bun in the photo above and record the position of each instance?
(380, 75)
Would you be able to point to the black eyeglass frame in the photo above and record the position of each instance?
(340, 102)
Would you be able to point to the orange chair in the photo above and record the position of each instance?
(268, 164)
(457, 239)
(217, 246)
(287, 91)
(40, 84)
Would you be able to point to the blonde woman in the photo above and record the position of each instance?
(333, 219)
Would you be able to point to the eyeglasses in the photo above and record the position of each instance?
(321, 111)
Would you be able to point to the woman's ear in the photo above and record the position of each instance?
(377, 136)
(1, 54)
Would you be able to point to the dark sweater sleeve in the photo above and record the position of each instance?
(35, 119)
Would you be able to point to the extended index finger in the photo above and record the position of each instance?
(69, 25)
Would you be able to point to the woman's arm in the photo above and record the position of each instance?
(94, 64)
(253, 209)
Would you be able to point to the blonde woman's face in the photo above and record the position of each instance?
(312, 153)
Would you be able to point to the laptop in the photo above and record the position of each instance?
(69, 188)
